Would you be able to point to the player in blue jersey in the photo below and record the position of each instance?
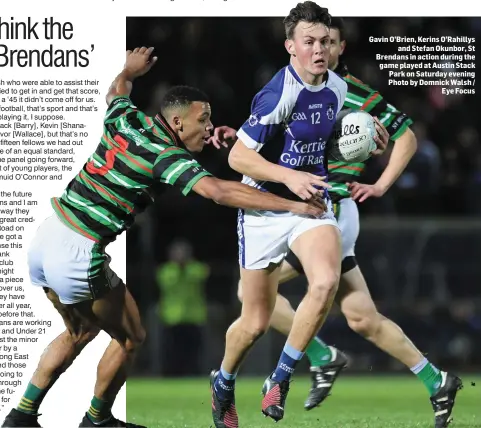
(281, 149)
(353, 296)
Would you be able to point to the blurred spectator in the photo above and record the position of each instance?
(182, 309)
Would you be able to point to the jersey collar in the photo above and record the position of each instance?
(311, 88)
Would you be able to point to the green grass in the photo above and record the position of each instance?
(357, 402)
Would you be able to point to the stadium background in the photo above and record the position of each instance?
(419, 247)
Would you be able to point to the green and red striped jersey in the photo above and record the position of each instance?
(362, 97)
(136, 153)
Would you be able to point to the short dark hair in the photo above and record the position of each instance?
(338, 24)
(181, 96)
(308, 12)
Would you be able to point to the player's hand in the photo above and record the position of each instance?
(315, 207)
(138, 62)
(303, 184)
(223, 136)
(381, 139)
(364, 191)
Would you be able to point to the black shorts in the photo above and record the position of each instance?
(347, 264)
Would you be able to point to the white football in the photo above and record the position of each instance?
(353, 137)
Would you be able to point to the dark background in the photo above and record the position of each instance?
(420, 245)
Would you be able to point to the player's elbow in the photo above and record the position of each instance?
(111, 94)
(413, 139)
(236, 158)
(240, 294)
(410, 140)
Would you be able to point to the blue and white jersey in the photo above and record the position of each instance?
(290, 124)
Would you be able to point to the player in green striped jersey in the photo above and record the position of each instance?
(353, 295)
(67, 256)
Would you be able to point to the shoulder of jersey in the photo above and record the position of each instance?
(337, 80)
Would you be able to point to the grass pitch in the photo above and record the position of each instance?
(356, 402)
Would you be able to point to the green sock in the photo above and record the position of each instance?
(429, 375)
(318, 352)
(31, 400)
(99, 410)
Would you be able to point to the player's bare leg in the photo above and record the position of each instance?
(260, 290)
(63, 350)
(319, 250)
(283, 314)
(320, 355)
(117, 314)
(362, 316)
(259, 294)
(57, 357)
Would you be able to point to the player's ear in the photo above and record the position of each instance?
(177, 121)
(289, 45)
(343, 46)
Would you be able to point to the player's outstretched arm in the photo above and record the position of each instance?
(238, 195)
(248, 162)
(403, 150)
(137, 63)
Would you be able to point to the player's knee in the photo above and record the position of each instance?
(84, 335)
(255, 331)
(325, 286)
(89, 335)
(366, 324)
(139, 337)
(239, 291)
(135, 340)
(255, 327)
(361, 313)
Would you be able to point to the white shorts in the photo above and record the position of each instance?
(75, 267)
(347, 216)
(265, 237)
